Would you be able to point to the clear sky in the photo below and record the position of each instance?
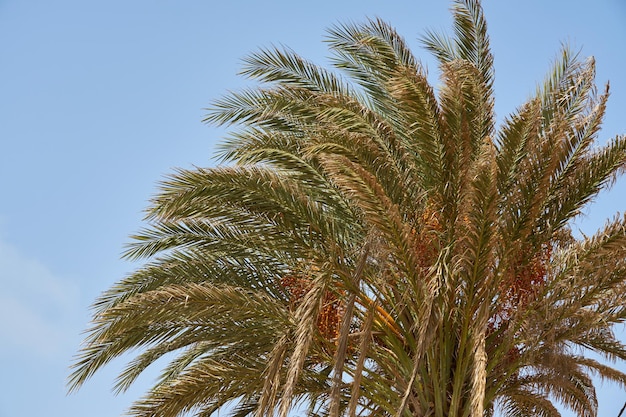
(100, 99)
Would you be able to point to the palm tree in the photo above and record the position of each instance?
(377, 247)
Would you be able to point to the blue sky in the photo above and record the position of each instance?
(100, 99)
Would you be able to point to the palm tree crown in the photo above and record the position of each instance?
(377, 247)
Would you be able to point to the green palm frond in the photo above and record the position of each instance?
(285, 67)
